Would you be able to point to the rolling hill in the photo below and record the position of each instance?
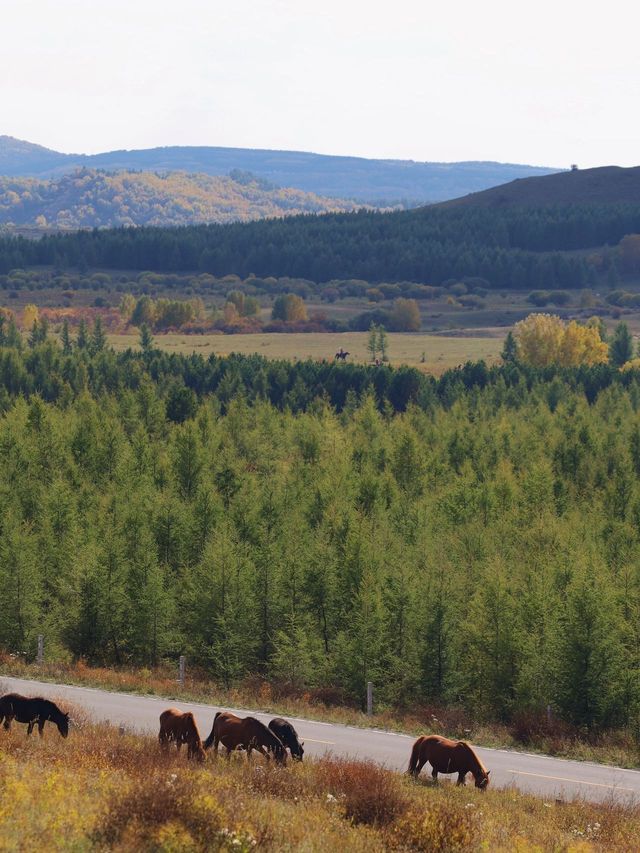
(604, 185)
(88, 198)
(547, 240)
(357, 178)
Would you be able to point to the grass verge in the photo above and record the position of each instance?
(527, 732)
(99, 790)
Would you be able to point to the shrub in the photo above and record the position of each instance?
(458, 289)
(164, 805)
(443, 827)
(559, 297)
(368, 793)
(539, 298)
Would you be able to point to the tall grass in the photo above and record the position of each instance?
(101, 790)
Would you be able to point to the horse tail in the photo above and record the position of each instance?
(415, 756)
(207, 743)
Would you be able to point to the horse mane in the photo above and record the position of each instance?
(273, 739)
(474, 756)
(50, 706)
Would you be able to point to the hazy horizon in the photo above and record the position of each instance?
(351, 79)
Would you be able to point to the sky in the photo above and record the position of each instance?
(545, 83)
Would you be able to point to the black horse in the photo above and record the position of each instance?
(32, 710)
(342, 354)
(289, 737)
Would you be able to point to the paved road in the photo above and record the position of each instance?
(548, 777)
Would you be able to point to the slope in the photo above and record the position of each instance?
(88, 198)
(604, 185)
(337, 176)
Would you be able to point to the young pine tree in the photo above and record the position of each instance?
(65, 338)
(372, 341)
(620, 346)
(82, 341)
(98, 337)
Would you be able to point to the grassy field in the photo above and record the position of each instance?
(104, 790)
(439, 352)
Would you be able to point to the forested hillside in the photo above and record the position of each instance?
(88, 198)
(480, 547)
(366, 180)
(511, 247)
(604, 185)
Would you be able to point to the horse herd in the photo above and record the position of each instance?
(248, 734)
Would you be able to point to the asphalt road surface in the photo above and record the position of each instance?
(551, 778)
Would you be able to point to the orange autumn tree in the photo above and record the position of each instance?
(30, 315)
(545, 339)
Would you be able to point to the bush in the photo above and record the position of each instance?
(163, 807)
(368, 793)
(559, 297)
(443, 828)
(539, 298)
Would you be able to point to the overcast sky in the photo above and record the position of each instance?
(546, 83)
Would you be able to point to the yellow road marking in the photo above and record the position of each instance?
(311, 740)
(575, 781)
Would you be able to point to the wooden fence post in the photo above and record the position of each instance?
(181, 670)
(40, 655)
(369, 698)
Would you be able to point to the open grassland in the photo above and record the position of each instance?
(102, 790)
(433, 353)
(548, 737)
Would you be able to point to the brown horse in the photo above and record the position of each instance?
(244, 733)
(180, 728)
(32, 710)
(447, 756)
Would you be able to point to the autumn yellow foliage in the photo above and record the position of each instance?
(30, 315)
(545, 339)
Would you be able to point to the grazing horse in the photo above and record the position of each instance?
(32, 710)
(447, 756)
(283, 730)
(180, 728)
(341, 355)
(244, 733)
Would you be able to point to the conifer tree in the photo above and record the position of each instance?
(65, 338)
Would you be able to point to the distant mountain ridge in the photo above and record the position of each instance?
(87, 198)
(328, 175)
(603, 185)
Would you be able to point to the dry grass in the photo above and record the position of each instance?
(99, 790)
(440, 352)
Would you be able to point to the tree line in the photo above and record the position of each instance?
(475, 542)
(517, 248)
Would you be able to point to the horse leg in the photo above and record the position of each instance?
(461, 778)
(228, 755)
(420, 764)
(41, 727)
(263, 751)
(30, 727)
(434, 773)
